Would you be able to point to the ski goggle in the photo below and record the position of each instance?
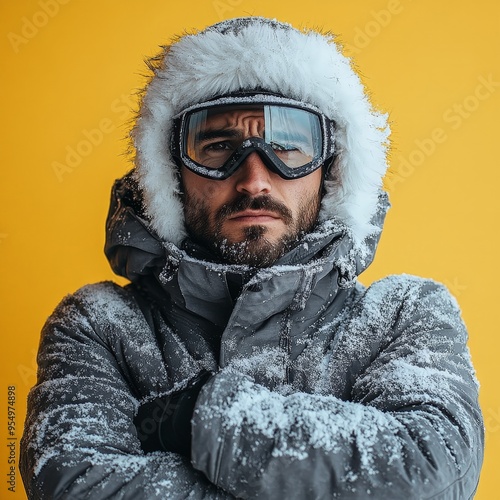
(214, 139)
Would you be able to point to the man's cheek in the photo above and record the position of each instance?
(212, 190)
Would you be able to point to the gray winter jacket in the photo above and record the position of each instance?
(323, 388)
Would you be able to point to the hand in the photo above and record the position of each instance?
(164, 424)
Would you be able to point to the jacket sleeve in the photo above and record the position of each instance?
(79, 439)
(411, 427)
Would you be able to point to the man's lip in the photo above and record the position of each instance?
(256, 214)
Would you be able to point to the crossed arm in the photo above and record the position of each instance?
(251, 442)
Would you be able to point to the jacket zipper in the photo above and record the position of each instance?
(285, 344)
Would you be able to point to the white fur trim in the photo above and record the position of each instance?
(252, 53)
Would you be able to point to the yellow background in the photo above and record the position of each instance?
(70, 67)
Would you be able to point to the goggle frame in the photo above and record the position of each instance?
(251, 144)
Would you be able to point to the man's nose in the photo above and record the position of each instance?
(253, 177)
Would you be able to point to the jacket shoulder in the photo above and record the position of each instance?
(103, 308)
(407, 283)
(96, 293)
(412, 289)
(400, 304)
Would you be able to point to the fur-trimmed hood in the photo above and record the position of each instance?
(258, 53)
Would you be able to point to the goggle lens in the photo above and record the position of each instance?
(290, 135)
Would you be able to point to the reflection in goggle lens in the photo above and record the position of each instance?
(212, 135)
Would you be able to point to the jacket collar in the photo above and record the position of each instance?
(136, 252)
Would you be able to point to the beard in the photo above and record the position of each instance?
(255, 249)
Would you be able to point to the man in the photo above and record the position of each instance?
(245, 359)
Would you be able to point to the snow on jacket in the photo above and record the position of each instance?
(323, 388)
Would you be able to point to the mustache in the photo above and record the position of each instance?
(245, 202)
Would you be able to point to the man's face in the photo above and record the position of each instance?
(254, 216)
